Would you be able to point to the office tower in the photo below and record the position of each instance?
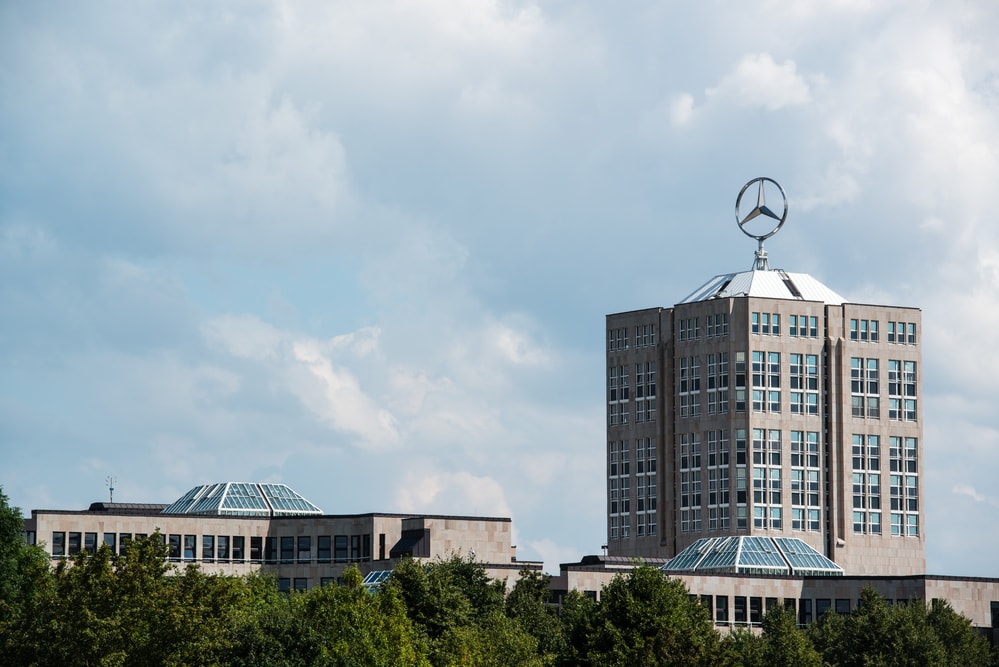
(764, 403)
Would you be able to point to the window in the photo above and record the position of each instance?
(287, 549)
(174, 547)
(123, 541)
(865, 388)
(804, 611)
(190, 542)
(866, 459)
(864, 330)
(324, 546)
(717, 325)
(208, 548)
(222, 542)
(256, 547)
(340, 548)
(766, 324)
(740, 609)
(767, 488)
(304, 548)
(645, 335)
(766, 382)
(90, 542)
(617, 339)
(59, 543)
(270, 549)
(689, 386)
(903, 489)
(238, 548)
(645, 392)
(721, 609)
(111, 540)
(301, 584)
(755, 610)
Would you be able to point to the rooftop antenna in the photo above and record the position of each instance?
(109, 482)
(761, 229)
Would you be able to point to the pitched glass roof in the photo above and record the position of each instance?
(775, 284)
(751, 554)
(242, 499)
(374, 580)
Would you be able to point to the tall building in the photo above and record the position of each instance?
(766, 404)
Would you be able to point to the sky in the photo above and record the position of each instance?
(366, 248)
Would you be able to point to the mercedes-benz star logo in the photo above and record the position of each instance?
(761, 212)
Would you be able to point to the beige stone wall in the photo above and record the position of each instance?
(871, 554)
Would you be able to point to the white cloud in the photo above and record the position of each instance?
(681, 109)
(451, 493)
(340, 399)
(759, 82)
(971, 492)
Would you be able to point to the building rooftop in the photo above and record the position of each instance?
(775, 284)
(243, 499)
(745, 554)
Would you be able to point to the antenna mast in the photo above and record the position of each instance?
(109, 482)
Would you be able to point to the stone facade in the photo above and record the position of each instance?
(749, 422)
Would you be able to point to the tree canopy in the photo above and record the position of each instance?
(137, 608)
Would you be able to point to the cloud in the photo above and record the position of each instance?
(452, 493)
(759, 82)
(971, 492)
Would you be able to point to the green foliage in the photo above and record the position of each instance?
(347, 625)
(784, 644)
(24, 583)
(137, 609)
(461, 614)
(645, 618)
(578, 617)
(743, 648)
(898, 636)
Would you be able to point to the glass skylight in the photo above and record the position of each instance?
(242, 499)
(751, 554)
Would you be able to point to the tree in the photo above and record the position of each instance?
(645, 618)
(898, 636)
(743, 648)
(24, 582)
(527, 604)
(461, 613)
(578, 619)
(22, 566)
(351, 626)
(784, 644)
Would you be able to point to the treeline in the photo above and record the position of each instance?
(104, 609)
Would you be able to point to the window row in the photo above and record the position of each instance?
(901, 333)
(619, 457)
(718, 518)
(799, 326)
(231, 548)
(645, 525)
(745, 610)
(618, 339)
